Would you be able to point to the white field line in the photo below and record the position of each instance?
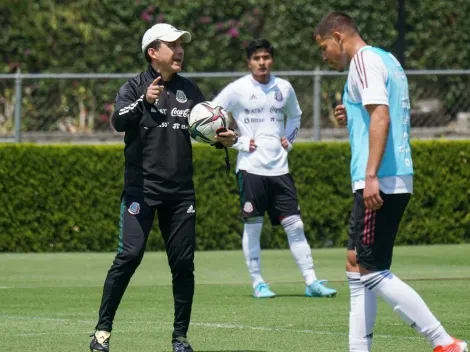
(300, 331)
(237, 283)
(167, 325)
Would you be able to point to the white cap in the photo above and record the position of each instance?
(165, 32)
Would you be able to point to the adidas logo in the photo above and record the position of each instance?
(191, 209)
(253, 97)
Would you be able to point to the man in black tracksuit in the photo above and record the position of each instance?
(152, 109)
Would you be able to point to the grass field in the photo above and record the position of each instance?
(49, 302)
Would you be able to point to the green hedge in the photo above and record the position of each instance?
(66, 198)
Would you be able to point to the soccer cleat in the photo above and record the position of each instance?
(262, 290)
(181, 344)
(456, 346)
(100, 341)
(318, 289)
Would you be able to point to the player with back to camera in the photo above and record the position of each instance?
(152, 109)
(376, 100)
(260, 103)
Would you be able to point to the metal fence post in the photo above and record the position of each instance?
(316, 105)
(18, 97)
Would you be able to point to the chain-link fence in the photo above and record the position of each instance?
(68, 107)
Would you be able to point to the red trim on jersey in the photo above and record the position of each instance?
(364, 68)
(366, 227)
(358, 69)
(372, 231)
(368, 235)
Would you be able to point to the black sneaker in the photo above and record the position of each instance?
(181, 344)
(99, 345)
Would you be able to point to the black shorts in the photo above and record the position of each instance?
(275, 194)
(372, 233)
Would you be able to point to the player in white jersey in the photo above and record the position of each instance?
(259, 103)
(376, 99)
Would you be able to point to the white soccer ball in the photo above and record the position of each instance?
(205, 119)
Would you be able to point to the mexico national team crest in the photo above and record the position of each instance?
(278, 95)
(134, 208)
(181, 97)
(248, 208)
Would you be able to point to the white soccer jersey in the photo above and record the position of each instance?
(367, 79)
(260, 111)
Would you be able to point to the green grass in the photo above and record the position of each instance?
(50, 302)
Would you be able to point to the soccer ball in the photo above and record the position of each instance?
(205, 119)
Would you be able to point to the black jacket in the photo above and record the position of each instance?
(158, 152)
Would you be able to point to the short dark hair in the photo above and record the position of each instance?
(155, 45)
(335, 21)
(257, 44)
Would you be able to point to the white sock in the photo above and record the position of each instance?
(252, 249)
(362, 314)
(408, 305)
(299, 247)
(101, 336)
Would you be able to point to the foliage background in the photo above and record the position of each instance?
(66, 198)
(104, 36)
